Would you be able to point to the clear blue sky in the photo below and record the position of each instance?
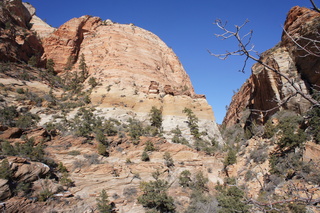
(187, 27)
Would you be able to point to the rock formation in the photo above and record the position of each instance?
(135, 69)
(266, 92)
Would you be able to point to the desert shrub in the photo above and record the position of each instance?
(65, 180)
(92, 159)
(74, 152)
(249, 175)
(154, 195)
(185, 178)
(44, 195)
(23, 188)
(149, 147)
(102, 149)
(205, 146)
(8, 149)
(50, 66)
(78, 164)
(5, 172)
(83, 68)
(192, 123)
(103, 204)
(202, 203)
(130, 192)
(93, 82)
(168, 161)
(156, 118)
(231, 158)
(231, 199)
(61, 168)
(135, 129)
(200, 182)
(27, 120)
(33, 61)
(110, 128)
(8, 115)
(20, 90)
(177, 137)
(145, 156)
(297, 208)
(259, 155)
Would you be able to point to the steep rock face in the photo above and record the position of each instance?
(135, 68)
(119, 53)
(266, 92)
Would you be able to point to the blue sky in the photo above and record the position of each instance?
(187, 27)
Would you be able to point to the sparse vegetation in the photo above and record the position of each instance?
(154, 195)
(168, 161)
(103, 204)
(192, 123)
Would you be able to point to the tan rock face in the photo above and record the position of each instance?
(266, 92)
(135, 68)
(118, 53)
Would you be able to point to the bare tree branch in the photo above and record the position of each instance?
(315, 6)
(244, 51)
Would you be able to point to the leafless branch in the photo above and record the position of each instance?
(244, 51)
(310, 42)
(315, 6)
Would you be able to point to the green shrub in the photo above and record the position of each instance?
(259, 155)
(103, 205)
(177, 137)
(33, 61)
(200, 182)
(20, 90)
(185, 178)
(65, 180)
(231, 158)
(102, 149)
(168, 159)
(93, 82)
(50, 66)
(154, 196)
(135, 129)
(5, 172)
(149, 147)
(27, 120)
(192, 123)
(145, 156)
(231, 199)
(8, 115)
(156, 117)
(44, 195)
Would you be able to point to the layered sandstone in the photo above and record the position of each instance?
(135, 70)
(266, 92)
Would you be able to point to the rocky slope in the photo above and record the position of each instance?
(265, 92)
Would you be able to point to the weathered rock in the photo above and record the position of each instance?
(4, 189)
(312, 152)
(14, 132)
(41, 185)
(28, 171)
